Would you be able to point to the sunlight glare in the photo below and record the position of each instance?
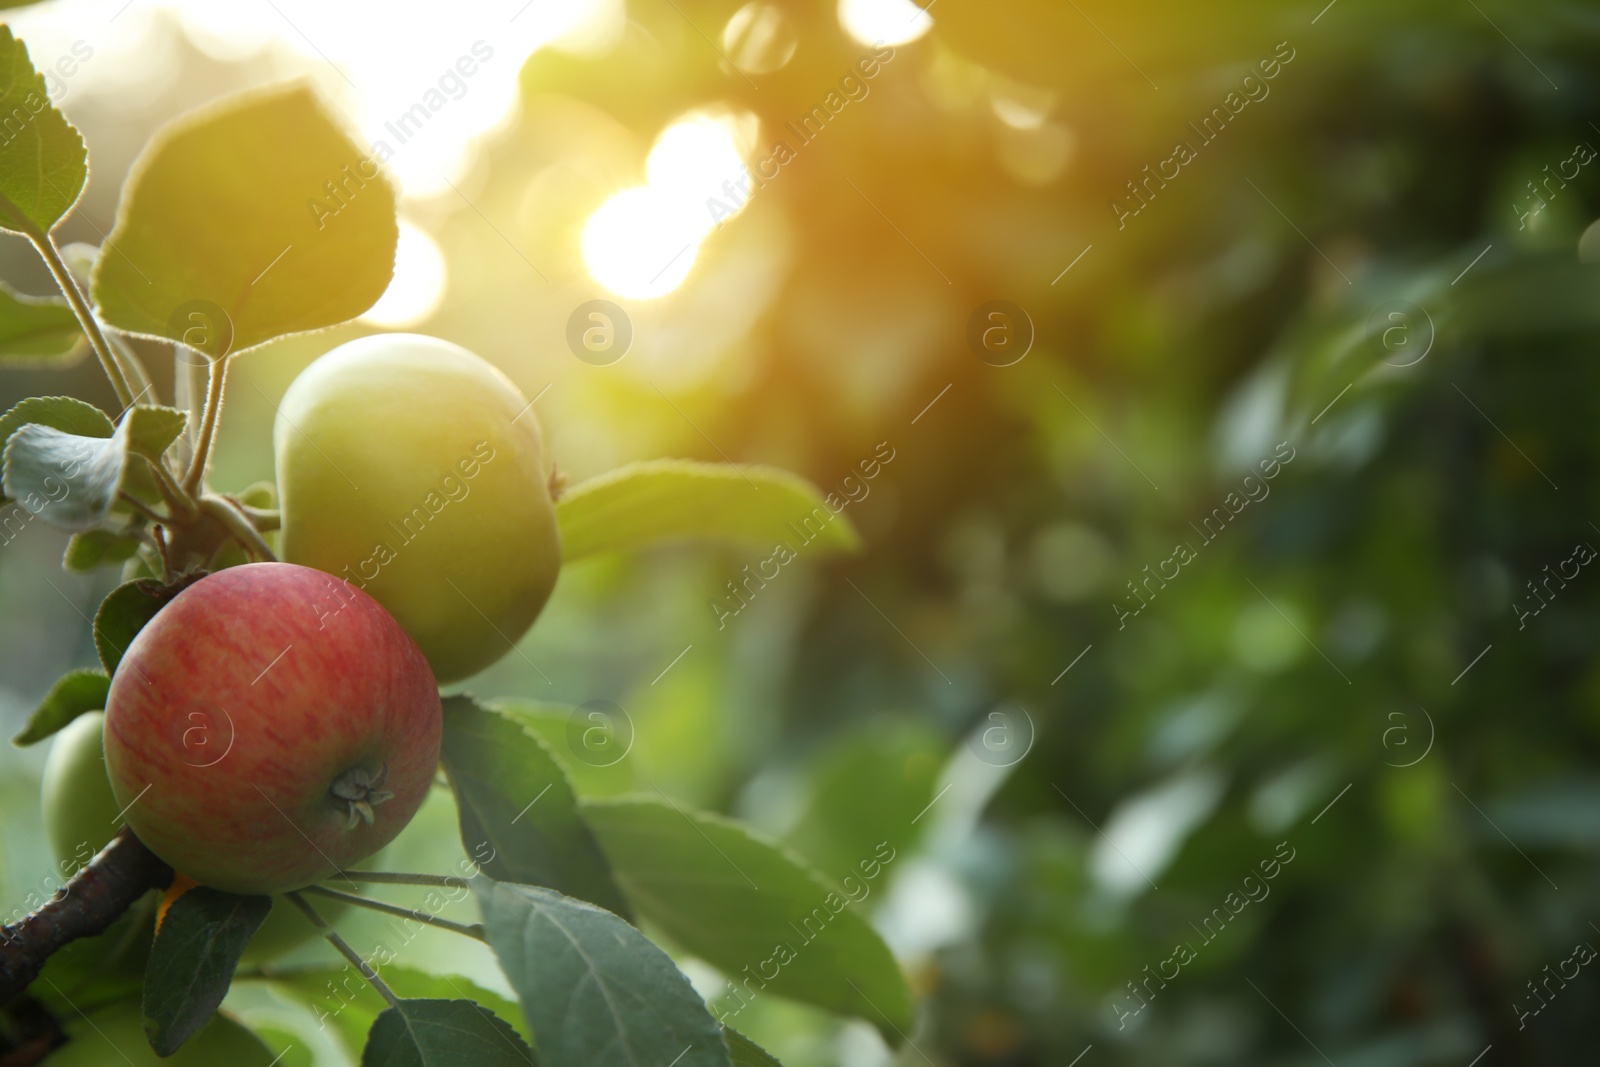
(888, 22)
(642, 242)
(694, 159)
(417, 288)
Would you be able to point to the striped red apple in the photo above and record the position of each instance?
(270, 726)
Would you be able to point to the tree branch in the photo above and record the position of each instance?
(90, 902)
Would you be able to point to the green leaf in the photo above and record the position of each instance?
(43, 165)
(73, 694)
(38, 329)
(748, 907)
(659, 500)
(514, 799)
(595, 990)
(443, 1033)
(340, 996)
(746, 1053)
(597, 764)
(237, 238)
(91, 549)
(125, 611)
(191, 963)
(67, 480)
(154, 429)
(64, 413)
(867, 787)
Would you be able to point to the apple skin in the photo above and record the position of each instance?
(115, 1034)
(239, 709)
(81, 816)
(416, 470)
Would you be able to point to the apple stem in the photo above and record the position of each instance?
(159, 536)
(216, 376)
(142, 508)
(448, 881)
(227, 513)
(263, 519)
(473, 930)
(45, 245)
(344, 949)
(133, 368)
(178, 501)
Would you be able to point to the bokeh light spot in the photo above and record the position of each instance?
(888, 22)
(642, 242)
(418, 284)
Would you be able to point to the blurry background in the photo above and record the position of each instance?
(1369, 675)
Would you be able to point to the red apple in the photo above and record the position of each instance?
(270, 726)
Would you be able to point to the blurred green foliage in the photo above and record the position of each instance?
(1351, 639)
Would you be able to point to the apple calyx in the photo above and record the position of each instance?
(358, 790)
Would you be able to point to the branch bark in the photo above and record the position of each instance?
(90, 902)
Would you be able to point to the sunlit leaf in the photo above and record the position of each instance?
(38, 330)
(607, 767)
(43, 163)
(230, 232)
(663, 500)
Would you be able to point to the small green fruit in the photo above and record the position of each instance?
(416, 471)
(80, 818)
(80, 814)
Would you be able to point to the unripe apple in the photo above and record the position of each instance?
(416, 471)
(270, 726)
(81, 816)
(114, 1035)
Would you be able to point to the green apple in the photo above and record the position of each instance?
(416, 471)
(81, 816)
(115, 1035)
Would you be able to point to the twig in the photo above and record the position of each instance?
(47, 250)
(344, 949)
(449, 881)
(132, 366)
(171, 491)
(216, 376)
(159, 535)
(88, 904)
(141, 507)
(227, 513)
(474, 930)
(263, 519)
